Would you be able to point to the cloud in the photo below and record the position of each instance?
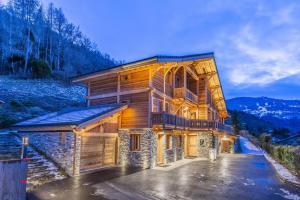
(265, 50)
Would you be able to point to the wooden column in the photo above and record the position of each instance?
(76, 153)
(164, 103)
(184, 78)
(89, 93)
(150, 108)
(118, 88)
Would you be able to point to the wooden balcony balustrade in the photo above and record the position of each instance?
(168, 120)
(185, 93)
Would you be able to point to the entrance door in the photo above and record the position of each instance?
(226, 146)
(160, 157)
(109, 156)
(192, 145)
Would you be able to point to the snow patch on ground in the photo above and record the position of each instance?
(248, 148)
(249, 182)
(288, 195)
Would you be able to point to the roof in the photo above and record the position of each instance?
(154, 59)
(79, 117)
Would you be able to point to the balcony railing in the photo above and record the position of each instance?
(169, 120)
(184, 93)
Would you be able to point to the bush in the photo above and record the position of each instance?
(15, 104)
(6, 121)
(40, 69)
(288, 156)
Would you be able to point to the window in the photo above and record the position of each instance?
(167, 107)
(157, 105)
(202, 144)
(125, 77)
(135, 142)
(168, 142)
(180, 141)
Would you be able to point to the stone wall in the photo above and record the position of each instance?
(56, 146)
(206, 141)
(146, 157)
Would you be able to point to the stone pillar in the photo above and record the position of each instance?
(77, 151)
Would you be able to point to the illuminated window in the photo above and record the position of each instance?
(168, 142)
(135, 142)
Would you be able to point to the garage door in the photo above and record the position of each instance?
(97, 152)
(192, 145)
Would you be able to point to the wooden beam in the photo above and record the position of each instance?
(89, 93)
(192, 73)
(118, 93)
(84, 124)
(184, 78)
(126, 67)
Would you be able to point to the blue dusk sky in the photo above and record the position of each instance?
(256, 42)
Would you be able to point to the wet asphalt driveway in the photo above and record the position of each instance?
(230, 177)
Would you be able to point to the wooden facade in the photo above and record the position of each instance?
(190, 90)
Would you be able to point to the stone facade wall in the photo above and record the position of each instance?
(146, 157)
(206, 141)
(55, 146)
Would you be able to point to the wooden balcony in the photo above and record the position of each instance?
(184, 93)
(167, 120)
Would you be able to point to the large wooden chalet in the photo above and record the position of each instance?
(145, 113)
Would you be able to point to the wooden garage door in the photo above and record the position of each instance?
(192, 145)
(97, 152)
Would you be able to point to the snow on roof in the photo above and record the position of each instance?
(70, 116)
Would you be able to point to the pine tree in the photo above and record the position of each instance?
(235, 122)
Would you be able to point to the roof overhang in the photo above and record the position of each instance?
(142, 63)
(67, 127)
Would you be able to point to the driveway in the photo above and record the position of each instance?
(236, 176)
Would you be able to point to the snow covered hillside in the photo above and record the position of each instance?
(284, 113)
(25, 99)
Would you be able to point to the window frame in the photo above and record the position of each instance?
(135, 142)
(180, 142)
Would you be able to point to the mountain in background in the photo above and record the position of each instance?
(278, 113)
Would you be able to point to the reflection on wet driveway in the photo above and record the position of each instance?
(230, 177)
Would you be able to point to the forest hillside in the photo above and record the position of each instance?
(40, 42)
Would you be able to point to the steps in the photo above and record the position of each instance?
(40, 169)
